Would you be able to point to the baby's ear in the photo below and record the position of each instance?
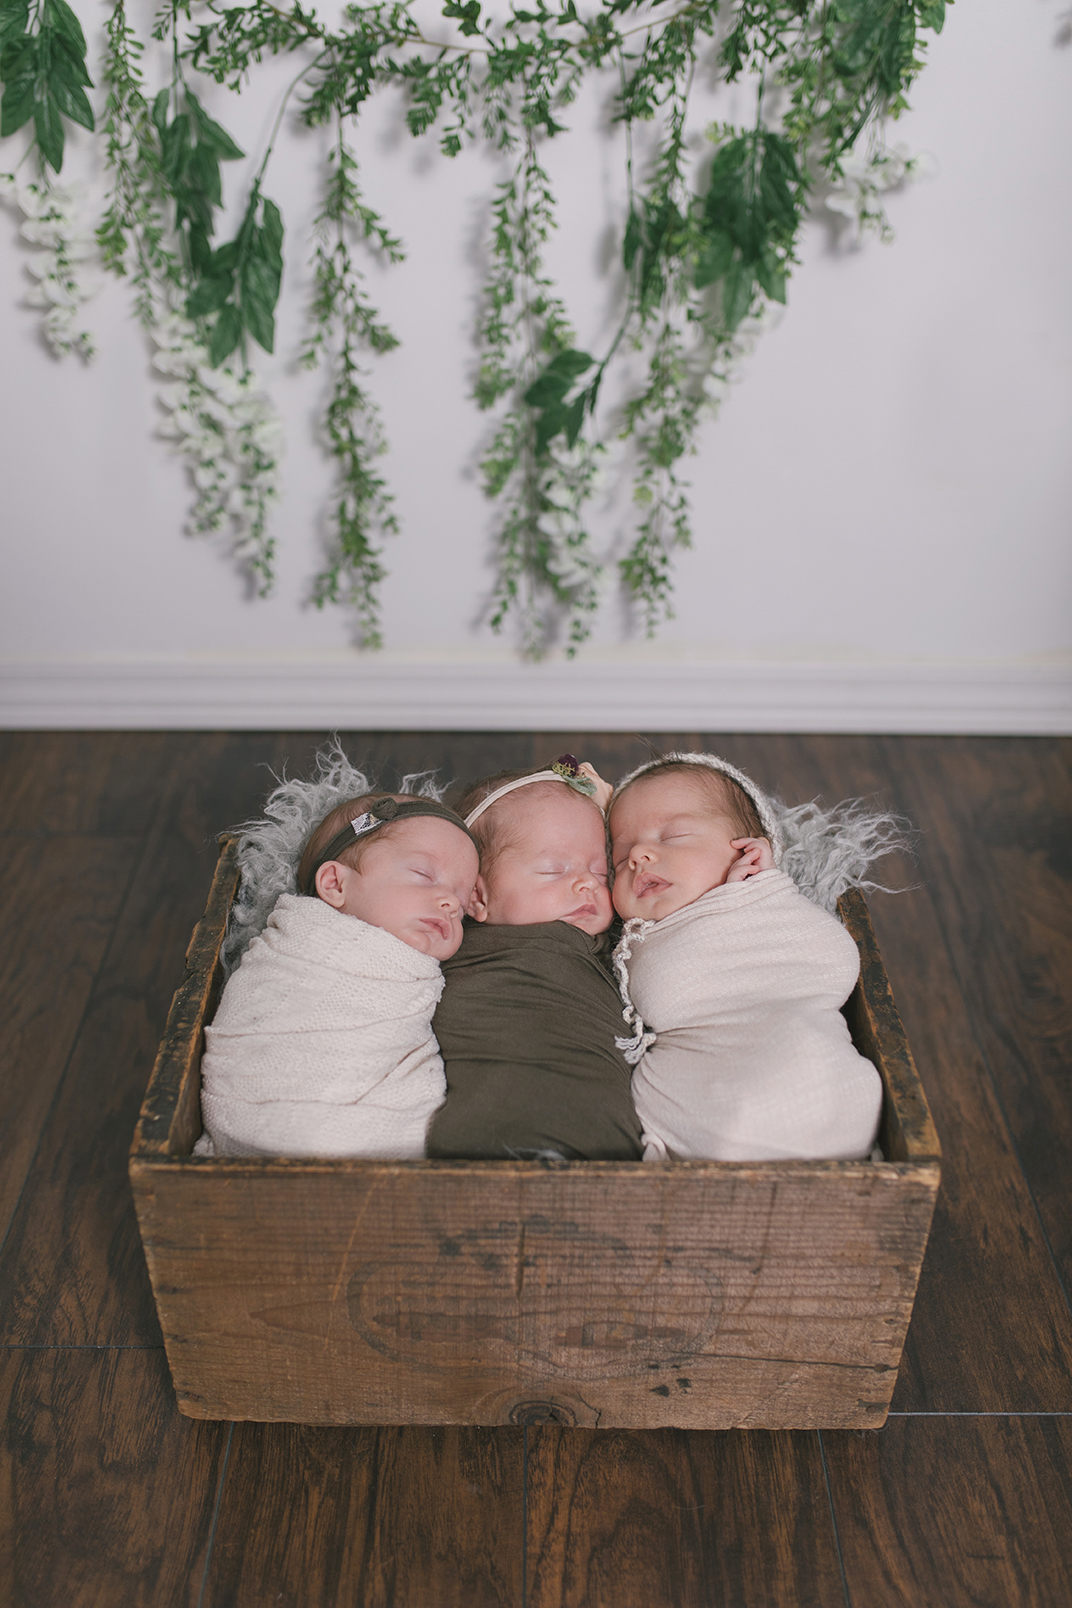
(477, 907)
(328, 884)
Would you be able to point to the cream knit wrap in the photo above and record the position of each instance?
(322, 1044)
(742, 1053)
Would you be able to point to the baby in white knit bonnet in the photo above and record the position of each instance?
(322, 1044)
(732, 978)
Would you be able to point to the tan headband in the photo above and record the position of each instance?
(583, 781)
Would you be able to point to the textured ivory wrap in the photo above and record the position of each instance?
(322, 1044)
(752, 1059)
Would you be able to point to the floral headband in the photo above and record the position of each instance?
(380, 814)
(581, 777)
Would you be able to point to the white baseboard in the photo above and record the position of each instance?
(596, 693)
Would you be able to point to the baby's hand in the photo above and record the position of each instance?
(755, 856)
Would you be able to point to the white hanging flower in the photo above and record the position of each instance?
(226, 428)
(870, 170)
(50, 223)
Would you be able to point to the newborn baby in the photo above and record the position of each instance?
(528, 1020)
(734, 980)
(322, 1044)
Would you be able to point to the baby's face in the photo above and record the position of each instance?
(415, 884)
(667, 846)
(553, 869)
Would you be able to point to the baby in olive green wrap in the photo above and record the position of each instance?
(528, 1019)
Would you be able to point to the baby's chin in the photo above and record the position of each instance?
(593, 925)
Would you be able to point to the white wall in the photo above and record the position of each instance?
(881, 511)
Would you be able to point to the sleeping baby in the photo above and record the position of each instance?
(734, 981)
(529, 1017)
(322, 1044)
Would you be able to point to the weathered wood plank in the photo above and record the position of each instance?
(72, 1270)
(697, 1294)
(998, 858)
(965, 1351)
(677, 1519)
(58, 904)
(106, 783)
(106, 1493)
(389, 1518)
(965, 1512)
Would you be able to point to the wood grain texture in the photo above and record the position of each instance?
(59, 899)
(106, 1493)
(1000, 820)
(965, 1351)
(402, 1518)
(72, 1270)
(107, 783)
(678, 1519)
(366, 1292)
(962, 1512)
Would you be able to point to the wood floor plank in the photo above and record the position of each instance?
(105, 782)
(965, 1353)
(679, 1519)
(388, 1518)
(961, 1512)
(72, 1271)
(999, 853)
(58, 905)
(106, 1493)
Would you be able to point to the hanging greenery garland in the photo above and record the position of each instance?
(706, 247)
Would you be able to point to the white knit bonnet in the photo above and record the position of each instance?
(764, 806)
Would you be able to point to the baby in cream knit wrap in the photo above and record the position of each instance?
(733, 979)
(322, 1044)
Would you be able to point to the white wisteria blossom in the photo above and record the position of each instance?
(869, 170)
(58, 267)
(226, 427)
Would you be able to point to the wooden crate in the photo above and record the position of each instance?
(701, 1294)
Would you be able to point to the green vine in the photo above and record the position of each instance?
(707, 245)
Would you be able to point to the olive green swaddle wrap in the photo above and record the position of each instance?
(526, 1028)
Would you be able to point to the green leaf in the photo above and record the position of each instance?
(260, 321)
(19, 57)
(175, 142)
(203, 173)
(160, 110)
(575, 417)
(200, 250)
(771, 276)
(17, 106)
(209, 296)
(73, 103)
(225, 335)
(211, 134)
(57, 14)
(714, 259)
(66, 61)
(224, 259)
(570, 363)
(548, 425)
(932, 14)
(260, 283)
(13, 18)
(48, 125)
(272, 229)
(548, 390)
(737, 293)
(632, 241)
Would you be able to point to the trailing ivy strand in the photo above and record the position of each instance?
(708, 235)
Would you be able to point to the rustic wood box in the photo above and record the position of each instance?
(707, 1295)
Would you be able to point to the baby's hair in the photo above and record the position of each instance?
(335, 821)
(493, 830)
(726, 797)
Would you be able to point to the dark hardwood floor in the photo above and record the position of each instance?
(108, 1497)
